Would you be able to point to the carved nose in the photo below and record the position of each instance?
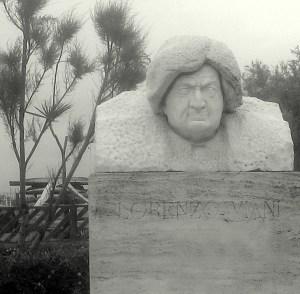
(197, 101)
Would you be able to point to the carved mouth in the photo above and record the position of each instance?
(198, 116)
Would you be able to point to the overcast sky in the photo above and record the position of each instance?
(265, 30)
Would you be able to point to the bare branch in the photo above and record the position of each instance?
(12, 136)
(67, 90)
(56, 139)
(36, 88)
(35, 114)
(44, 128)
(70, 153)
(102, 90)
(16, 119)
(8, 12)
(65, 160)
(14, 144)
(31, 50)
(55, 74)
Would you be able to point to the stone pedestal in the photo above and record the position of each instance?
(191, 233)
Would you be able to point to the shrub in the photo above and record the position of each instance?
(45, 272)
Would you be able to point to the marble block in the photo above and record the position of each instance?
(130, 137)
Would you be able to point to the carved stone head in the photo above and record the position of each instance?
(194, 104)
(193, 80)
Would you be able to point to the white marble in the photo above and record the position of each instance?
(187, 54)
(191, 116)
(130, 137)
(194, 105)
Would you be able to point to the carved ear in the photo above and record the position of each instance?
(163, 108)
(231, 100)
(162, 104)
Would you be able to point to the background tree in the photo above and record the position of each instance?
(256, 77)
(280, 84)
(121, 64)
(43, 45)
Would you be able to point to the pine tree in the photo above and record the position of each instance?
(43, 45)
(122, 64)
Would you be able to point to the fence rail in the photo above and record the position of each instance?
(7, 199)
(44, 223)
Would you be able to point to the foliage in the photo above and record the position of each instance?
(121, 65)
(124, 60)
(256, 77)
(79, 62)
(46, 271)
(43, 50)
(280, 84)
(43, 43)
(75, 133)
(45, 47)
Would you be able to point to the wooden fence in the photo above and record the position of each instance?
(7, 200)
(45, 223)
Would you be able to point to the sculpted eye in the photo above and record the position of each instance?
(183, 90)
(211, 87)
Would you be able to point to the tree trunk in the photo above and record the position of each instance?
(83, 148)
(22, 163)
(64, 168)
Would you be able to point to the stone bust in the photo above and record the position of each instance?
(191, 117)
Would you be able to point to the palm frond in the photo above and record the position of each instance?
(51, 112)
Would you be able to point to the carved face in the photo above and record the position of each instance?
(194, 105)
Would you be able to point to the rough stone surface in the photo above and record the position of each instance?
(130, 137)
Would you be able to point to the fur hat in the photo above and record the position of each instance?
(187, 54)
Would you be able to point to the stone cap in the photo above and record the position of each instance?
(187, 54)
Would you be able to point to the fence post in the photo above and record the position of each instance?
(73, 221)
(17, 199)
